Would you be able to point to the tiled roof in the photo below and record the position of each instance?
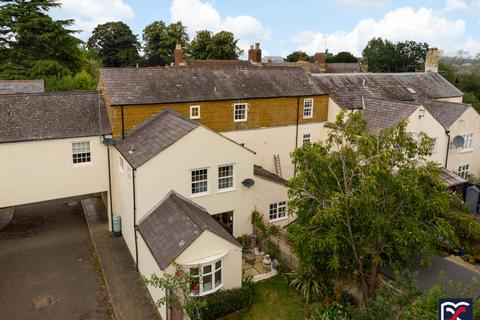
(451, 179)
(264, 173)
(347, 89)
(175, 223)
(21, 86)
(221, 64)
(381, 114)
(445, 112)
(168, 85)
(52, 115)
(152, 137)
(338, 67)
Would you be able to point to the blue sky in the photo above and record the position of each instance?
(309, 25)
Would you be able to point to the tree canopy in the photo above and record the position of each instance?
(32, 43)
(386, 56)
(160, 40)
(115, 44)
(299, 56)
(343, 56)
(363, 201)
(219, 46)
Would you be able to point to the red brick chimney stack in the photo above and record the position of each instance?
(178, 55)
(255, 53)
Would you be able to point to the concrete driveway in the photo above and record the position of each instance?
(47, 269)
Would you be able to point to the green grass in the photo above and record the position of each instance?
(274, 300)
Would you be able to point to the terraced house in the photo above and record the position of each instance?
(184, 154)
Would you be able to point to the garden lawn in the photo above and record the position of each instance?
(274, 299)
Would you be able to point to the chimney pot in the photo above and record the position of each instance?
(255, 53)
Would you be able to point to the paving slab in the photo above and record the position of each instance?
(129, 296)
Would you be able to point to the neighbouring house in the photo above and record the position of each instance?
(269, 110)
(429, 102)
(21, 86)
(51, 146)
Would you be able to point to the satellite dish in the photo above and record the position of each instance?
(248, 182)
(458, 141)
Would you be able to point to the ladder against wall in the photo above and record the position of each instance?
(278, 167)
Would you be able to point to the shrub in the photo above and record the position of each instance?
(223, 303)
(308, 283)
(245, 240)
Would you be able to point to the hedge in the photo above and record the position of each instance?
(225, 302)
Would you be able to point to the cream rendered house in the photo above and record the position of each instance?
(52, 146)
(183, 193)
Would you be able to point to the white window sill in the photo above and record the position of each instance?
(226, 190)
(82, 164)
(201, 294)
(279, 219)
(195, 118)
(198, 195)
(309, 117)
(245, 120)
(466, 150)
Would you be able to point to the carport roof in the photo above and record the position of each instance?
(52, 115)
(174, 224)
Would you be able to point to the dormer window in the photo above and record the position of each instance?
(411, 90)
(194, 112)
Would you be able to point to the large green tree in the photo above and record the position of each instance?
(363, 201)
(386, 56)
(298, 56)
(31, 41)
(214, 46)
(115, 44)
(160, 40)
(342, 56)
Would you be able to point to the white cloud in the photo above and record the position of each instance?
(424, 25)
(198, 15)
(361, 4)
(89, 13)
(451, 6)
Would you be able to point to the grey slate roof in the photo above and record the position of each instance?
(445, 112)
(220, 64)
(155, 135)
(174, 224)
(381, 114)
(264, 173)
(52, 115)
(21, 86)
(347, 89)
(338, 67)
(168, 85)
(451, 179)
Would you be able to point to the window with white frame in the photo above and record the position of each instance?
(194, 112)
(278, 210)
(463, 171)
(240, 111)
(225, 177)
(207, 278)
(81, 152)
(199, 181)
(468, 139)
(307, 108)
(306, 138)
(433, 146)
